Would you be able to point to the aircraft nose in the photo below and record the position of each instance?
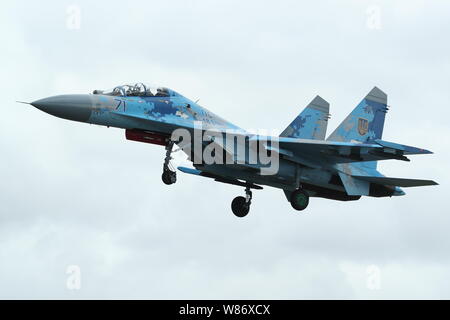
(77, 107)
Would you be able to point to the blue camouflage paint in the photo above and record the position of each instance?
(364, 124)
(298, 126)
(311, 123)
(172, 110)
(373, 109)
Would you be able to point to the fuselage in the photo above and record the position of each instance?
(167, 111)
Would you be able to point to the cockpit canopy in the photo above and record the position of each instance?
(137, 90)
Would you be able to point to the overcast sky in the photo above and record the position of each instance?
(79, 194)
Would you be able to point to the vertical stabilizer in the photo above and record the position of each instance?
(366, 121)
(311, 123)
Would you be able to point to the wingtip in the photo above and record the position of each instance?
(423, 151)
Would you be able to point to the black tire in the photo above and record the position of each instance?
(169, 177)
(299, 199)
(239, 207)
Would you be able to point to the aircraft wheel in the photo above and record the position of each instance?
(299, 199)
(169, 177)
(240, 207)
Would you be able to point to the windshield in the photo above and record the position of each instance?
(137, 90)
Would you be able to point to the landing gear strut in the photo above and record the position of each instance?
(168, 176)
(241, 205)
(299, 199)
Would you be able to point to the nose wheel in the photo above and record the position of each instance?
(241, 205)
(168, 176)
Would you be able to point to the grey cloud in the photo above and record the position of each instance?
(78, 194)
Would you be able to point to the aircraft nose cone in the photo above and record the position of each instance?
(77, 107)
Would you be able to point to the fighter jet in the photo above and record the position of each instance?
(301, 161)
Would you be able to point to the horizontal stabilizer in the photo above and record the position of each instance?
(399, 182)
(391, 147)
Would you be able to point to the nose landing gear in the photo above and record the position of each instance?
(241, 205)
(168, 176)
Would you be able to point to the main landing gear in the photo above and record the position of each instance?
(241, 205)
(299, 199)
(168, 176)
